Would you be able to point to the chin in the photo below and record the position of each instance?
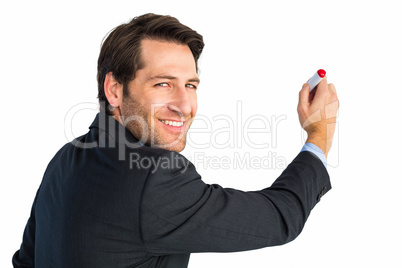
(176, 145)
(179, 148)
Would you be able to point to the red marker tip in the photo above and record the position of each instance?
(321, 73)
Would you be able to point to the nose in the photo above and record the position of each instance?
(181, 101)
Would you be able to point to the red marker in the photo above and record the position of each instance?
(316, 79)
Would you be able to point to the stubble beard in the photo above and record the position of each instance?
(139, 121)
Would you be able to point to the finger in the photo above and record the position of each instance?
(332, 87)
(322, 89)
(304, 94)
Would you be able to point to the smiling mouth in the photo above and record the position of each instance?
(172, 123)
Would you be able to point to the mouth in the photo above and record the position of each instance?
(173, 126)
(172, 123)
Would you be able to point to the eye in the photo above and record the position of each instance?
(162, 85)
(191, 86)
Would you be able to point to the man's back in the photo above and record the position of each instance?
(86, 212)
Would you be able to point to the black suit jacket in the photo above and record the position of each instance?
(107, 201)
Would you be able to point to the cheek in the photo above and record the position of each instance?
(194, 105)
(157, 98)
(152, 102)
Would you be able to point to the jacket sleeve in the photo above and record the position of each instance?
(182, 214)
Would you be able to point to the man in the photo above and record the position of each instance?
(122, 195)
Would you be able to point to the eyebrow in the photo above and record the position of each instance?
(195, 79)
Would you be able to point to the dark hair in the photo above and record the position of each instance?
(121, 50)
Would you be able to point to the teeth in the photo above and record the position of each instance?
(172, 123)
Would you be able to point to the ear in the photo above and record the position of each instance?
(113, 90)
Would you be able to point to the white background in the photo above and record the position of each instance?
(257, 53)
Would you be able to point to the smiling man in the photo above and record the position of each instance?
(167, 85)
(122, 195)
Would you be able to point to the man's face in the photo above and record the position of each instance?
(162, 99)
